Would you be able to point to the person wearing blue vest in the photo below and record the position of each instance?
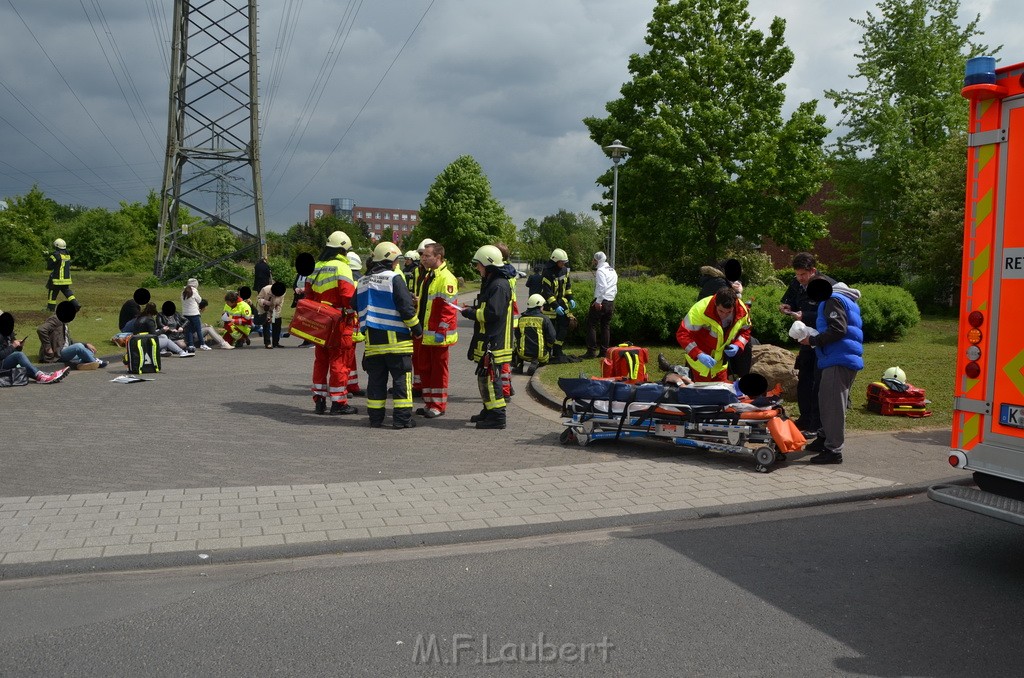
(387, 323)
(839, 345)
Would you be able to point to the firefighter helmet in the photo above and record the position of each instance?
(558, 254)
(535, 301)
(354, 261)
(412, 255)
(423, 244)
(895, 373)
(488, 255)
(60, 244)
(340, 240)
(386, 251)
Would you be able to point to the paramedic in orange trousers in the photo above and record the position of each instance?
(715, 328)
(331, 284)
(439, 315)
(414, 281)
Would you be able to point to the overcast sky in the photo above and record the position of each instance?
(83, 93)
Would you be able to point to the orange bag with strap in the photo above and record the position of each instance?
(786, 435)
(314, 321)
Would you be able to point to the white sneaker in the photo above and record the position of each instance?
(204, 347)
(186, 354)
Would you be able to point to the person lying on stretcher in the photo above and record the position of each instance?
(751, 389)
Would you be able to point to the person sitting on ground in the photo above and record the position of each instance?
(237, 319)
(56, 344)
(11, 354)
(145, 323)
(210, 333)
(535, 335)
(268, 305)
(172, 324)
(131, 308)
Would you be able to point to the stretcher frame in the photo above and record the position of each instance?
(704, 427)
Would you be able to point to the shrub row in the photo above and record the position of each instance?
(648, 312)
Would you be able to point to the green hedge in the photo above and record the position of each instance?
(648, 312)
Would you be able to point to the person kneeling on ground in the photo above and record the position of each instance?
(237, 318)
(535, 335)
(11, 354)
(56, 344)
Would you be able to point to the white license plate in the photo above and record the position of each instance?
(1011, 415)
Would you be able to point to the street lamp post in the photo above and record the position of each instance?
(618, 152)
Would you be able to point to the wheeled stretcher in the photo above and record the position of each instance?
(706, 418)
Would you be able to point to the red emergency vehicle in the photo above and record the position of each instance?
(988, 418)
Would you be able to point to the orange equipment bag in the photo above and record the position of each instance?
(314, 321)
(626, 362)
(786, 435)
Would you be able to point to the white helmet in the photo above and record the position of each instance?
(339, 239)
(412, 255)
(558, 254)
(59, 243)
(535, 301)
(386, 251)
(488, 255)
(423, 244)
(354, 261)
(895, 373)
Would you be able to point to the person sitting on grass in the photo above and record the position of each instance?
(11, 354)
(56, 345)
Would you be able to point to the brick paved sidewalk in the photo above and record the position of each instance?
(61, 527)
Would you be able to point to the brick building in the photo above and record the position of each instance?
(842, 247)
(377, 219)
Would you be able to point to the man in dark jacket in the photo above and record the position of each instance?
(796, 304)
(491, 346)
(559, 303)
(59, 282)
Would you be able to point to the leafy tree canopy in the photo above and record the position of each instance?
(578, 234)
(460, 213)
(712, 158)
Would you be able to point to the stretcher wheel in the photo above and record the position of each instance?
(567, 436)
(765, 457)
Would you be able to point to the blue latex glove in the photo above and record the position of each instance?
(439, 337)
(706, 360)
(572, 304)
(731, 350)
(559, 311)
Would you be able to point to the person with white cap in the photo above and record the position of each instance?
(190, 300)
(559, 304)
(59, 281)
(606, 287)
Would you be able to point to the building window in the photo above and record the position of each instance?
(405, 217)
(359, 215)
(412, 217)
(377, 215)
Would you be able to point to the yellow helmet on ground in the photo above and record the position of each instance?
(488, 255)
(895, 373)
(558, 254)
(386, 251)
(535, 301)
(339, 239)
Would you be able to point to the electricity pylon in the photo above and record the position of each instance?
(212, 129)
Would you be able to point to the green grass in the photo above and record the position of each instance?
(927, 354)
(101, 296)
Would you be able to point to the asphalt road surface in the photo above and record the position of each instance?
(901, 587)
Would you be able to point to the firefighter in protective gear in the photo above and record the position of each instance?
(387, 319)
(356, 264)
(558, 302)
(535, 335)
(491, 346)
(715, 328)
(331, 284)
(439, 316)
(59, 282)
(410, 266)
(509, 271)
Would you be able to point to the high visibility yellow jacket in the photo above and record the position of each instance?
(438, 311)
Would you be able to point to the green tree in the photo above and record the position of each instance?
(712, 157)
(906, 121)
(20, 248)
(307, 237)
(578, 234)
(102, 240)
(460, 213)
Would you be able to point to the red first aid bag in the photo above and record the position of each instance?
(625, 362)
(314, 321)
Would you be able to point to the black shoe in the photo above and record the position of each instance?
(664, 364)
(343, 408)
(828, 458)
(816, 445)
(495, 419)
(320, 404)
(478, 417)
(589, 354)
(511, 391)
(433, 414)
(405, 423)
(376, 424)
(358, 392)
